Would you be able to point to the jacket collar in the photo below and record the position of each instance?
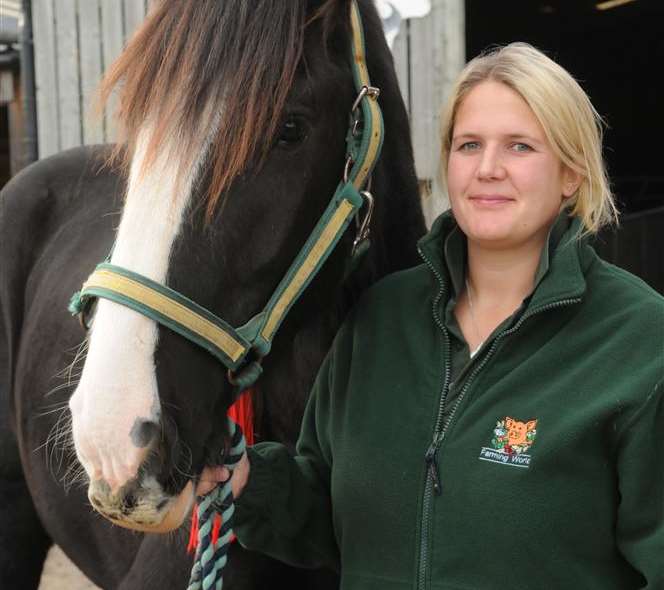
(559, 275)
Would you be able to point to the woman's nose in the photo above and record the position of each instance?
(490, 165)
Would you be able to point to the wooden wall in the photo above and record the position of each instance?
(75, 41)
(429, 53)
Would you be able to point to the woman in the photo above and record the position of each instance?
(494, 417)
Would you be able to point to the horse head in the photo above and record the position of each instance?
(236, 117)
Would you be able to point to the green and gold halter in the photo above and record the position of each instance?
(232, 346)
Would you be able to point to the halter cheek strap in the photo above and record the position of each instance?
(241, 349)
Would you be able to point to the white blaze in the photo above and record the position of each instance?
(118, 384)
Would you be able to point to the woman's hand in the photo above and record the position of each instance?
(212, 476)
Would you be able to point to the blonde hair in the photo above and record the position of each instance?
(571, 124)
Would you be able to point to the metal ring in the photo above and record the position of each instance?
(85, 316)
(347, 167)
(356, 125)
(81, 320)
(363, 92)
(365, 227)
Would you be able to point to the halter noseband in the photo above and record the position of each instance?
(241, 349)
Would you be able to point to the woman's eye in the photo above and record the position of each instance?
(521, 147)
(468, 146)
(292, 132)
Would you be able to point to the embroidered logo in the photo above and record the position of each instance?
(510, 443)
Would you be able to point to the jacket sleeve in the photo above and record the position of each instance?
(640, 523)
(285, 509)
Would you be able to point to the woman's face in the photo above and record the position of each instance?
(506, 184)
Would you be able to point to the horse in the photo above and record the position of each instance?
(235, 115)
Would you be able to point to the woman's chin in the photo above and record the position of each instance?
(494, 236)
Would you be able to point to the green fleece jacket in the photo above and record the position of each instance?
(540, 465)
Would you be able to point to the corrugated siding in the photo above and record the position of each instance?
(75, 41)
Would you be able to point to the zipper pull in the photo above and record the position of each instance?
(432, 466)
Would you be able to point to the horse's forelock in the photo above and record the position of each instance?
(190, 58)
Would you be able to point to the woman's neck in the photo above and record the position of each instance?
(497, 282)
(502, 275)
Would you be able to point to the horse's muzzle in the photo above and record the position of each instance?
(145, 507)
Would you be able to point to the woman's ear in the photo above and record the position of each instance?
(571, 182)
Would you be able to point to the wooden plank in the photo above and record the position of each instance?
(450, 27)
(437, 55)
(66, 40)
(134, 13)
(6, 87)
(401, 65)
(46, 82)
(16, 129)
(423, 96)
(112, 29)
(91, 69)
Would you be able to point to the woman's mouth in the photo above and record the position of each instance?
(489, 200)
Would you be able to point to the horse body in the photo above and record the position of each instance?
(59, 219)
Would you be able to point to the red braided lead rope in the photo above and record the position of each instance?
(242, 413)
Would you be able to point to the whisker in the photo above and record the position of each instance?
(57, 388)
(77, 351)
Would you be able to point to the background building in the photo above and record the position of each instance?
(11, 111)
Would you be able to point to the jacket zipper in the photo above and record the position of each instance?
(433, 482)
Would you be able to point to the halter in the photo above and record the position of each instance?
(242, 349)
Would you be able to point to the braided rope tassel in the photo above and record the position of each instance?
(211, 557)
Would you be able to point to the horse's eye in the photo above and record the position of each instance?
(293, 131)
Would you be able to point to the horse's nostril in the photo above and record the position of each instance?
(143, 432)
(128, 502)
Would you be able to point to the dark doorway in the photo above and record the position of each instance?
(616, 55)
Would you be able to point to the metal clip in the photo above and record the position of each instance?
(370, 91)
(364, 228)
